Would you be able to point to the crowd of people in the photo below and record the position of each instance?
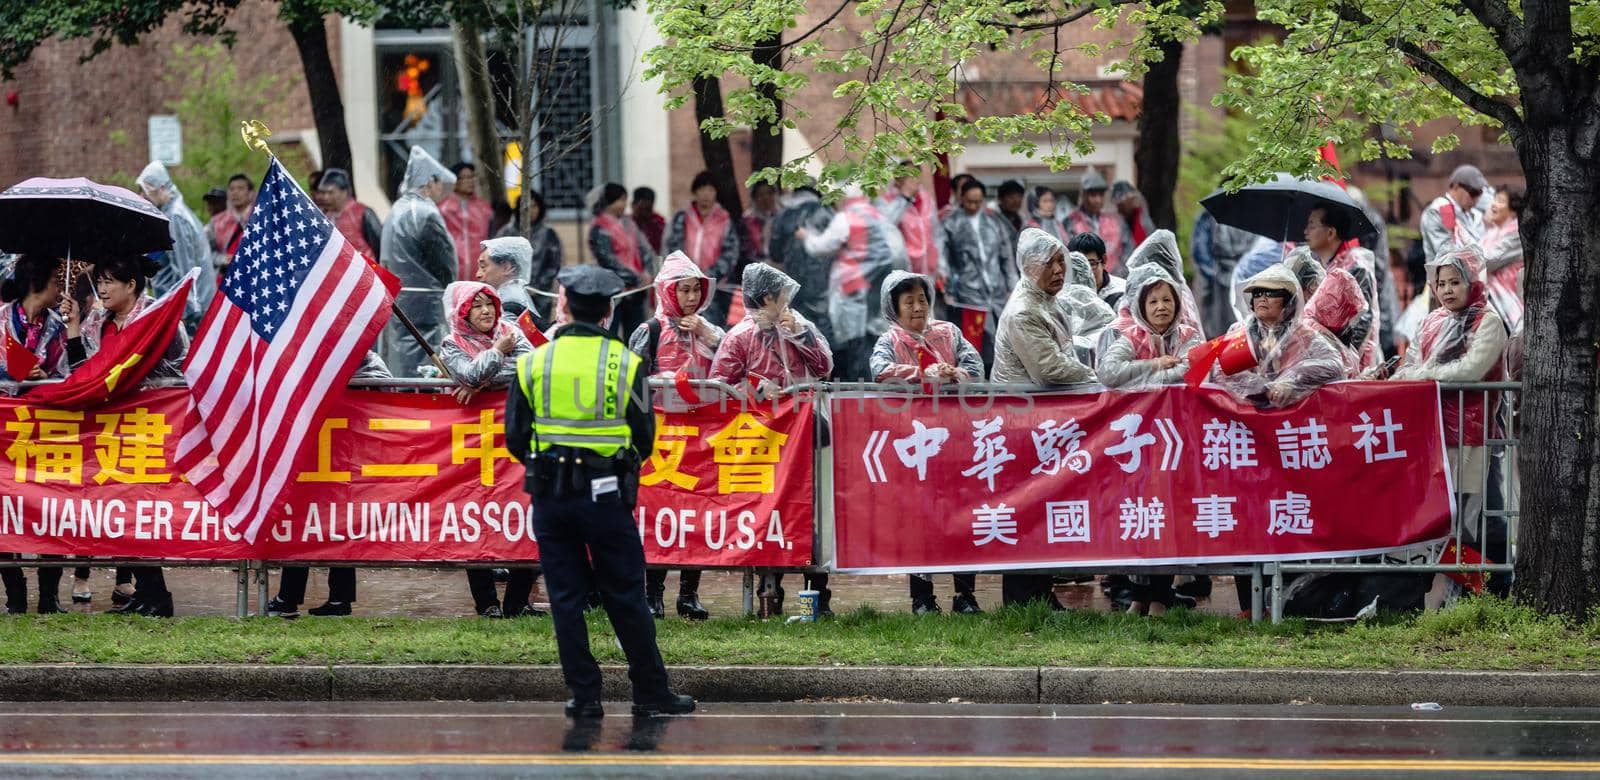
(892, 287)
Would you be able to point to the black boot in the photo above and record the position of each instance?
(689, 607)
(771, 602)
(658, 606)
(155, 606)
(655, 590)
(927, 605)
(824, 603)
(965, 604)
(49, 604)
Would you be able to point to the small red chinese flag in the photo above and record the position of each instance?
(925, 359)
(1232, 350)
(1472, 581)
(685, 389)
(19, 361)
(531, 330)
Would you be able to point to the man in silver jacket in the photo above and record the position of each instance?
(417, 247)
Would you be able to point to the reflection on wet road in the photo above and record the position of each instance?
(363, 739)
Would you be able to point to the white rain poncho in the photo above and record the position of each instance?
(1130, 347)
(1294, 357)
(1308, 271)
(515, 253)
(1161, 248)
(978, 268)
(190, 249)
(1090, 313)
(417, 247)
(421, 168)
(1033, 342)
(760, 349)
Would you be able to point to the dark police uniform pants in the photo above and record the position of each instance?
(572, 532)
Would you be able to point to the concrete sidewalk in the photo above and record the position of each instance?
(1023, 685)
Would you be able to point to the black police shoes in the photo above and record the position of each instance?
(658, 608)
(965, 604)
(927, 606)
(585, 710)
(279, 608)
(330, 609)
(673, 704)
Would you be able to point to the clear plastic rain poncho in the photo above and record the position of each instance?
(902, 354)
(1033, 341)
(190, 249)
(1293, 357)
(760, 348)
(1339, 307)
(1363, 265)
(1467, 345)
(1091, 315)
(468, 352)
(676, 349)
(417, 247)
(516, 253)
(1161, 248)
(1130, 348)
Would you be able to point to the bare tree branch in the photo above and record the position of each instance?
(1062, 21)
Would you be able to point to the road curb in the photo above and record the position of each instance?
(1017, 685)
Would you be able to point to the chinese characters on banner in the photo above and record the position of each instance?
(1171, 475)
(396, 476)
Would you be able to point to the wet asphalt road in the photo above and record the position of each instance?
(434, 739)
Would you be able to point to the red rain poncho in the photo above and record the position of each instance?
(674, 349)
(760, 348)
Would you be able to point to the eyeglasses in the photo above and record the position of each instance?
(1279, 294)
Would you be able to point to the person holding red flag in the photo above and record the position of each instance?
(678, 342)
(35, 348)
(121, 283)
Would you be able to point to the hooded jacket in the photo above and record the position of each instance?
(1033, 342)
(1090, 313)
(759, 346)
(1295, 354)
(190, 249)
(674, 349)
(469, 354)
(1129, 347)
(901, 353)
(517, 253)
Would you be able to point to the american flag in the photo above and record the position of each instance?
(298, 312)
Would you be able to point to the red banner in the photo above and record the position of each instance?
(1166, 476)
(395, 477)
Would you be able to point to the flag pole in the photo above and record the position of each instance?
(255, 134)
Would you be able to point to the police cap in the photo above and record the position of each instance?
(589, 281)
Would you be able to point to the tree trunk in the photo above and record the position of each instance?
(1156, 152)
(766, 141)
(716, 152)
(322, 86)
(473, 64)
(1558, 542)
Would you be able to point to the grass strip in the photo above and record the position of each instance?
(1479, 634)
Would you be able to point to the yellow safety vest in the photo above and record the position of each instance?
(579, 388)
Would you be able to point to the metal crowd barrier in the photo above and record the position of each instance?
(1499, 509)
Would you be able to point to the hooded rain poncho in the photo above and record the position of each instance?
(1460, 346)
(516, 253)
(804, 209)
(676, 349)
(900, 354)
(468, 352)
(1161, 249)
(1130, 347)
(1295, 355)
(1033, 342)
(1090, 313)
(759, 347)
(417, 247)
(190, 249)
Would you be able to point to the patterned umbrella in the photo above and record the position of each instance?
(80, 219)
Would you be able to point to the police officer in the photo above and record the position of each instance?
(578, 417)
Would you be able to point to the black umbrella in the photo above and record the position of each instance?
(1280, 209)
(80, 219)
